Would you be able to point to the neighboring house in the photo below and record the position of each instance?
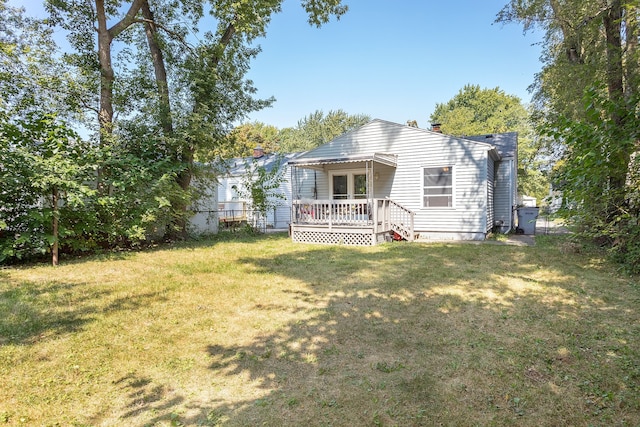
(386, 179)
(205, 212)
(528, 201)
(235, 207)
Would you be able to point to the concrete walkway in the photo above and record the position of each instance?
(543, 226)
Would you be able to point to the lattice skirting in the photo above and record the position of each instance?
(332, 238)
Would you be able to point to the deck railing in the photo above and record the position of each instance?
(232, 211)
(381, 215)
(352, 212)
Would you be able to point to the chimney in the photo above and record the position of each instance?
(435, 127)
(258, 152)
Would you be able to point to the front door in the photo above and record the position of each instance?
(349, 185)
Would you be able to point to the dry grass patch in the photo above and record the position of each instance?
(262, 331)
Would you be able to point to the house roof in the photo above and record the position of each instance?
(355, 144)
(238, 166)
(506, 143)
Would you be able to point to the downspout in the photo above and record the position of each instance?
(315, 185)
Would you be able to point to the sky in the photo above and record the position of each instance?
(389, 59)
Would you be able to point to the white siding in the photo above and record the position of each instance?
(504, 194)
(490, 194)
(205, 218)
(279, 218)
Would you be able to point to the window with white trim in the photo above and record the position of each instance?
(437, 187)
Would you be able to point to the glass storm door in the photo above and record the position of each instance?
(340, 185)
(349, 185)
(359, 186)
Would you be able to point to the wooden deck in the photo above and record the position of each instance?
(361, 222)
(232, 213)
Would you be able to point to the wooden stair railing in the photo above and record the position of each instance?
(401, 220)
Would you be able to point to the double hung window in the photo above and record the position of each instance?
(437, 187)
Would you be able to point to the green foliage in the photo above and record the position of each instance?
(574, 49)
(244, 138)
(474, 111)
(586, 100)
(44, 170)
(41, 157)
(33, 77)
(262, 186)
(317, 129)
(588, 176)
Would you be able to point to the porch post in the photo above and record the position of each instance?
(293, 194)
(374, 207)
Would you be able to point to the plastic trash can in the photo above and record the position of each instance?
(527, 217)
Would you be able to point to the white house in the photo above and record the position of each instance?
(233, 204)
(387, 179)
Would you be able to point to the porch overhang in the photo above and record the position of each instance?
(319, 163)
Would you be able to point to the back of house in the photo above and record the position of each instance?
(454, 188)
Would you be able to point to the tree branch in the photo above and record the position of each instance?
(172, 33)
(127, 20)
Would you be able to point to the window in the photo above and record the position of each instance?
(437, 187)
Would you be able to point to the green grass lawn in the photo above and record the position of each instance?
(262, 331)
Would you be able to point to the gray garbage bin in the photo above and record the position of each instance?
(527, 219)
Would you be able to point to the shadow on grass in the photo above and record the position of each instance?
(31, 312)
(405, 334)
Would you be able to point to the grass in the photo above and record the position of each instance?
(262, 331)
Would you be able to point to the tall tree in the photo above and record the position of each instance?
(474, 111)
(209, 91)
(82, 19)
(586, 97)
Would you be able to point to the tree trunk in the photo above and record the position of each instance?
(160, 70)
(572, 45)
(612, 21)
(619, 154)
(54, 226)
(107, 74)
(183, 179)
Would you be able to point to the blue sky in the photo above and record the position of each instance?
(389, 59)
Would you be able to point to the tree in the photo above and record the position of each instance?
(44, 168)
(474, 111)
(317, 128)
(209, 89)
(586, 100)
(31, 76)
(261, 186)
(244, 138)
